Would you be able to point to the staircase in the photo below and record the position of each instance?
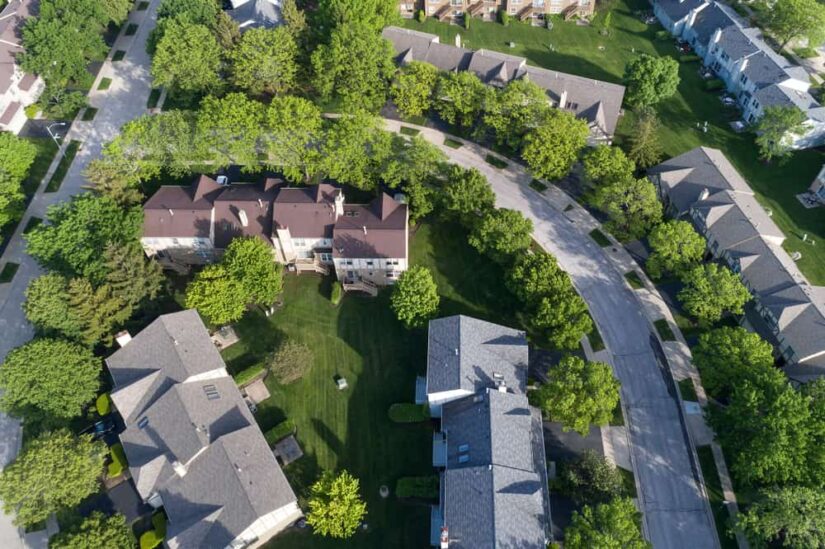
(525, 13)
(443, 13)
(361, 286)
(570, 12)
(476, 9)
(311, 265)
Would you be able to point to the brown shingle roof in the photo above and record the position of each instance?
(181, 212)
(256, 203)
(374, 230)
(306, 211)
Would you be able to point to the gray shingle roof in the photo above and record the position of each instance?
(736, 43)
(677, 10)
(470, 354)
(708, 20)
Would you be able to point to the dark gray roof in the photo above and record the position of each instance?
(12, 18)
(499, 496)
(763, 70)
(677, 10)
(734, 42)
(471, 354)
(255, 13)
(708, 20)
(732, 217)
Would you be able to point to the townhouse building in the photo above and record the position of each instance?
(17, 89)
(534, 11)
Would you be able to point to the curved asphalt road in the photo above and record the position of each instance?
(676, 512)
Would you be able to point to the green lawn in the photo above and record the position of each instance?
(62, 169)
(714, 488)
(688, 390)
(664, 330)
(583, 51)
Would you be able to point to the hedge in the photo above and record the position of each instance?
(337, 293)
(280, 431)
(405, 412)
(247, 376)
(689, 58)
(154, 537)
(119, 463)
(103, 404)
(417, 487)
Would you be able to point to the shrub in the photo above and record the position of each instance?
(504, 17)
(689, 58)
(247, 376)
(714, 84)
(119, 463)
(280, 431)
(417, 487)
(405, 412)
(290, 362)
(337, 293)
(421, 16)
(662, 35)
(32, 110)
(590, 479)
(103, 404)
(154, 537)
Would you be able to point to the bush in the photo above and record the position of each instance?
(417, 487)
(590, 479)
(421, 16)
(247, 376)
(103, 404)
(405, 412)
(337, 293)
(662, 35)
(279, 432)
(689, 58)
(714, 84)
(32, 110)
(154, 537)
(504, 17)
(119, 463)
(290, 362)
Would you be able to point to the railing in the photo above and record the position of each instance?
(361, 286)
(474, 9)
(443, 13)
(570, 12)
(312, 265)
(525, 13)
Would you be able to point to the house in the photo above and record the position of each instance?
(703, 187)
(192, 444)
(752, 71)
(523, 10)
(250, 14)
(598, 103)
(310, 228)
(489, 448)
(17, 89)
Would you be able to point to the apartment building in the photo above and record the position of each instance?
(17, 89)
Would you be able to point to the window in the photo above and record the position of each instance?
(350, 213)
(349, 262)
(325, 257)
(299, 242)
(369, 263)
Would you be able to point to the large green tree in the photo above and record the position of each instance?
(789, 19)
(109, 178)
(712, 290)
(727, 355)
(265, 61)
(187, 59)
(650, 79)
(97, 530)
(502, 234)
(536, 275)
(131, 276)
(49, 379)
(579, 394)
(76, 232)
(676, 248)
(613, 525)
(415, 297)
(356, 66)
(518, 108)
(218, 296)
(775, 130)
(605, 164)
(229, 130)
(356, 149)
(551, 149)
(16, 156)
(590, 479)
(415, 166)
(412, 90)
(793, 516)
(460, 97)
(335, 505)
(97, 311)
(251, 262)
(373, 14)
(467, 195)
(47, 306)
(294, 131)
(55, 471)
(202, 12)
(632, 205)
(645, 144)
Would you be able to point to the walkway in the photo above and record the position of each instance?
(671, 492)
(124, 100)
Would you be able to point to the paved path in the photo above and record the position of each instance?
(124, 100)
(671, 492)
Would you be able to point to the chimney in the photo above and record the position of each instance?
(445, 538)
(243, 218)
(339, 204)
(172, 213)
(123, 338)
(180, 468)
(365, 229)
(563, 99)
(717, 34)
(704, 194)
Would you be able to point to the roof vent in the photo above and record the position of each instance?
(365, 229)
(456, 351)
(704, 194)
(123, 338)
(211, 392)
(172, 213)
(243, 218)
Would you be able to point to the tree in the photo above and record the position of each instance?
(645, 146)
(76, 232)
(712, 290)
(116, 10)
(265, 61)
(632, 205)
(201, 12)
(789, 19)
(226, 30)
(590, 479)
(108, 178)
(775, 130)
(293, 135)
(216, 295)
(290, 362)
(502, 234)
(606, 164)
(579, 394)
(677, 248)
(727, 355)
(467, 195)
(356, 150)
(228, 130)
(355, 66)
(373, 14)
(793, 516)
(412, 91)
(335, 505)
(520, 107)
(131, 276)
(295, 20)
(650, 79)
(415, 297)
(414, 166)
(16, 156)
(613, 525)
(47, 306)
(49, 378)
(55, 471)
(187, 59)
(766, 429)
(536, 275)
(815, 393)
(551, 149)
(97, 530)
(562, 318)
(459, 98)
(251, 262)
(96, 311)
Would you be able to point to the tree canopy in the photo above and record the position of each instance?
(97, 530)
(294, 131)
(131, 276)
(552, 148)
(645, 145)
(467, 195)
(251, 262)
(632, 205)
(502, 234)
(412, 90)
(187, 58)
(520, 107)
(16, 157)
(55, 471)
(335, 505)
(373, 14)
(215, 294)
(677, 248)
(613, 525)
(290, 361)
(459, 98)
(229, 129)
(793, 516)
(650, 79)
(727, 355)
(356, 150)
(606, 164)
(789, 19)
(415, 297)
(775, 130)
(712, 290)
(590, 479)
(415, 167)
(265, 61)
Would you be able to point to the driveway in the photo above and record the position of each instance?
(124, 100)
(676, 513)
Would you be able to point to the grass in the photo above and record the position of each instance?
(407, 412)
(409, 131)
(62, 168)
(496, 161)
(142, 6)
(89, 114)
(118, 55)
(417, 487)
(600, 238)
(32, 224)
(154, 96)
(716, 497)
(595, 339)
(618, 416)
(664, 330)
(279, 432)
(688, 390)
(628, 483)
(105, 84)
(582, 50)
(634, 280)
(8, 272)
(131, 29)
(805, 53)
(452, 143)
(538, 186)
